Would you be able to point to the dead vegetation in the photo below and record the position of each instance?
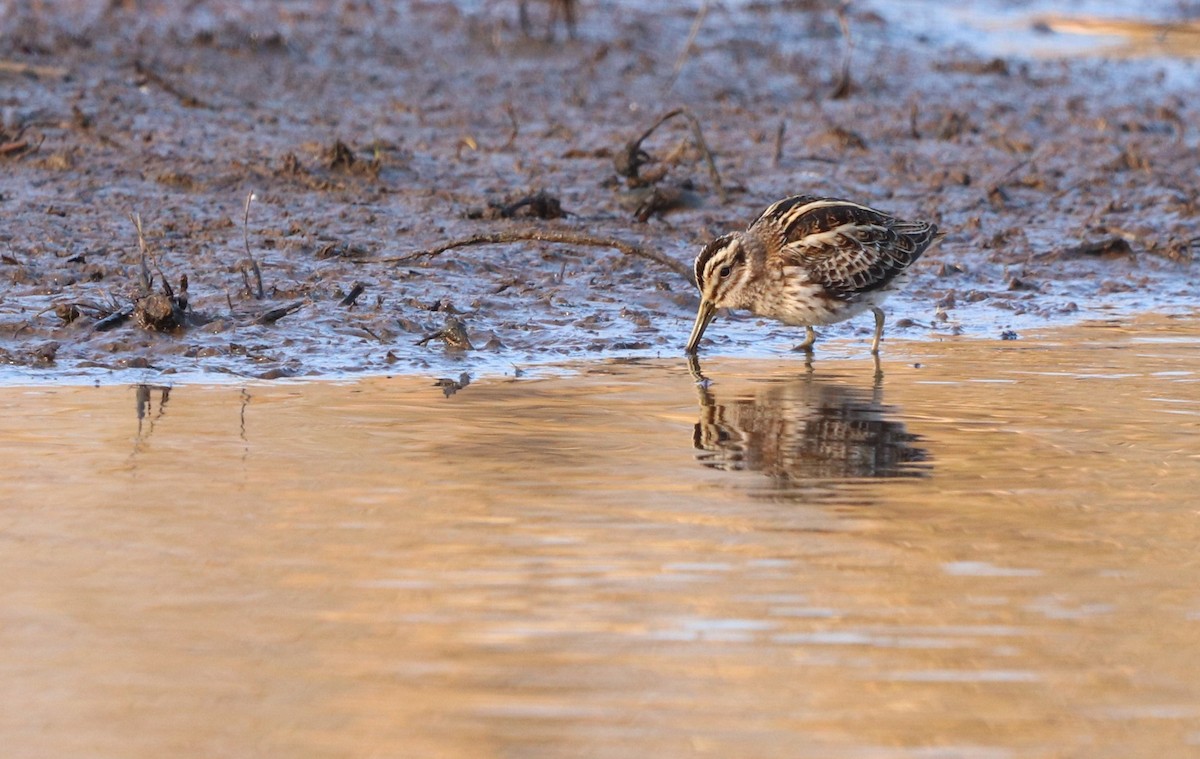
(18, 142)
(566, 11)
(632, 156)
(535, 205)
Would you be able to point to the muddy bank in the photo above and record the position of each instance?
(369, 131)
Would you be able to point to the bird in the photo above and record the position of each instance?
(806, 261)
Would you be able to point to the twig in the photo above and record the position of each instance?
(166, 86)
(146, 280)
(712, 165)
(844, 85)
(687, 47)
(115, 319)
(352, 296)
(818, 158)
(635, 152)
(779, 132)
(538, 235)
(30, 69)
(516, 127)
(275, 314)
(914, 113)
(17, 145)
(258, 292)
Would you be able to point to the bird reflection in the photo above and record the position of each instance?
(147, 416)
(805, 431)
(145, 404)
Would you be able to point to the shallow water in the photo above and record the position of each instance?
(991, 552)
(1046, 29)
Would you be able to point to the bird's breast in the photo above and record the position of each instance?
(795, 299)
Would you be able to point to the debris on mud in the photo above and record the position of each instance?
(38, 355)
(535, 205)
(659, 199)
(453, 335)
(164, 311)
(147, 74)
(628, 161)
(351, 298)
(17, 142)
(339, 157)
(275, 314)
(1112, 247)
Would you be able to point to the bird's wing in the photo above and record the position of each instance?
(846, 247)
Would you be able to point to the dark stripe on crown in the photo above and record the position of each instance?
(706, 255)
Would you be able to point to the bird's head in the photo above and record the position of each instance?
(723, 276)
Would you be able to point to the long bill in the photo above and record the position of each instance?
(703, 317)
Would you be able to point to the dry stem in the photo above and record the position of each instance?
(29, 69)
(844, 85)
(687, 47)
(258, 292)
(698, 135)
(147, 281)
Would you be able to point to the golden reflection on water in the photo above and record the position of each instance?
(998, 561)
(803, 432)
(1130, 37)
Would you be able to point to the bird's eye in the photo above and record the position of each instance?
(725, 271)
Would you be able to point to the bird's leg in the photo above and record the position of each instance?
(878, 329)
(810, 337)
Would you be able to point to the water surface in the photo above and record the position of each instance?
(989, 552)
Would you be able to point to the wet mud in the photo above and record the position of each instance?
(366, 132)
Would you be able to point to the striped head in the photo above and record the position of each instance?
(724, 276)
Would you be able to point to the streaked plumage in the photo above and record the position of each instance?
(808, 261)
(804, 432)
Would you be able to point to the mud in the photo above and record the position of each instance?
(369, 130)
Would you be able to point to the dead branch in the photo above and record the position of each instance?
(516, 127)
(275, 314)
(539, 204)
(844, 84)
(632, 156)
(687, 46)
(539, 235)
(115, 319)
(352, 296)
(29, 69)
(18, 146)
(153, 77)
